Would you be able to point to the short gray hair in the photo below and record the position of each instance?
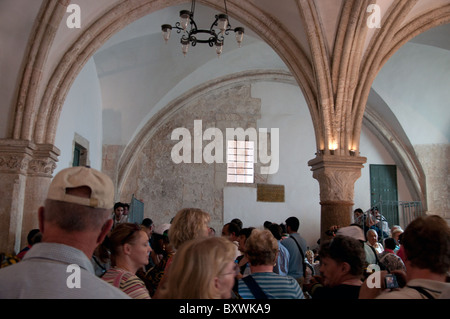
(74, 217)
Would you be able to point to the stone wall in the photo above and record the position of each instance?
(435, 162)
(166, 187)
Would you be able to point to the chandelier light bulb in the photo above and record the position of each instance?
(219, 48)
(184, 46)
(239, 32)
(184, 19)
(166, 30)
(222, 22)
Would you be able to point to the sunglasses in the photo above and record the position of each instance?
(133, 229)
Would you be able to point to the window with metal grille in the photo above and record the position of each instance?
(240, 161)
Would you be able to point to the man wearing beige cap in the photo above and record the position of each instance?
(73, 222)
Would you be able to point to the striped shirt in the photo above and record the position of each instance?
(129, 283)
(275, 286)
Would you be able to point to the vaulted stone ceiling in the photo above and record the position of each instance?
(277, 23)
(151, 71)
(124, 39)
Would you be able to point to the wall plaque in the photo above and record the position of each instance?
(270, 193)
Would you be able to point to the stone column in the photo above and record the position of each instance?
(336, 175)
(14, 158)
(22, 188)
(40, 171)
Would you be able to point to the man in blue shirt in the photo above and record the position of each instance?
(293, 244)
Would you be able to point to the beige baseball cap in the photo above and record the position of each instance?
(101, 185)
(352, 231)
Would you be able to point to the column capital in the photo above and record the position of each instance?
(27, 158)
(44, 160)
(337, 175)
(15, 155)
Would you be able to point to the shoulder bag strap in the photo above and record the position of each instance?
(375, 253)
(254, 287)
(422, 291)
(303, 256)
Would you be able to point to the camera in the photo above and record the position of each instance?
(391, 281)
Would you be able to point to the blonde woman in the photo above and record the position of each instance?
(129, 247)
(261, 249)
(188, 224)
(202, 268)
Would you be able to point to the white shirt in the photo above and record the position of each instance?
(44, 274)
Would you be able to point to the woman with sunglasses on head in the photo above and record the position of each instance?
(188, 224)
(129, 249)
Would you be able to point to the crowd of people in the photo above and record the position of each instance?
(81, 243)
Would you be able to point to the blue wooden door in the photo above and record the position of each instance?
(383, 191)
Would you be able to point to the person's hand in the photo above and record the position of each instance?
(401, 277)
(373, 286)
(332, 230)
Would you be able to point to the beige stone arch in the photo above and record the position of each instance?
(40, 42)
(335, 98)
(41, 95)
(380, 120)
(37, 120)
(132, 150)
(391, 136)
(344, 73)
(344, 77)
(387, 42)
(36, 115)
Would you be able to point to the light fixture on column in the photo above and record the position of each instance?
(214, 36)
(333, 146)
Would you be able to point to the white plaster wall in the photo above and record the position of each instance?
(284, 107)
(175, 76)
(415, 84)
(81, 114)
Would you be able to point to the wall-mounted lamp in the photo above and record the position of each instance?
(352, 152)
(333, 147)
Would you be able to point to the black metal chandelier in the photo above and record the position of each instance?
(214, 36)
